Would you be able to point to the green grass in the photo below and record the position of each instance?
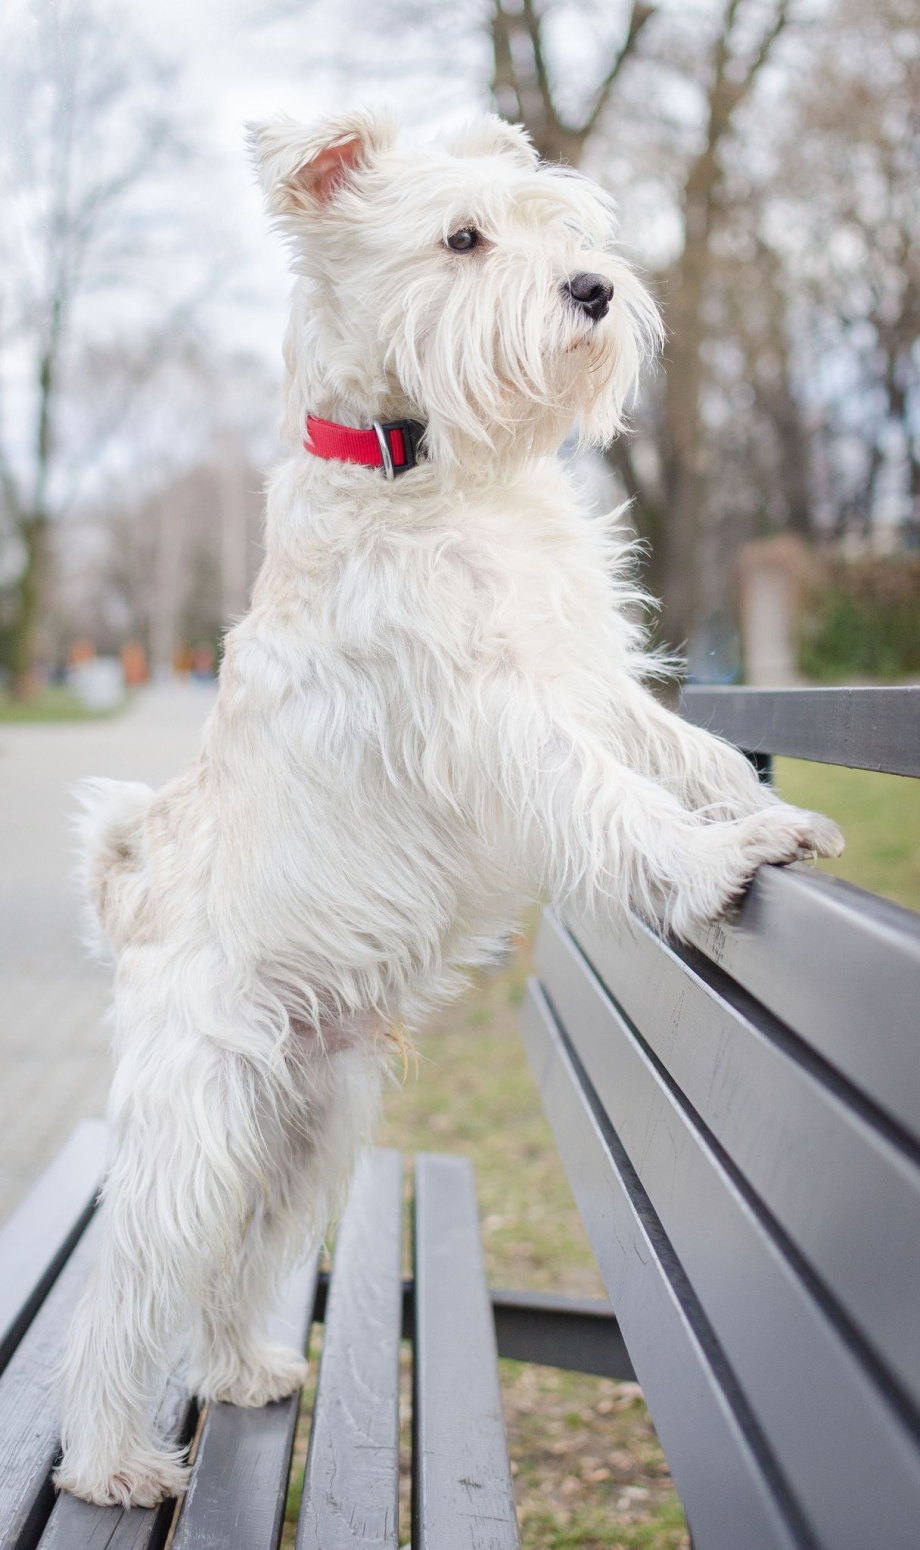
(54, 703)
(880, 819)
(664, 1529)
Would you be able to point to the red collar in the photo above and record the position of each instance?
(392, 446)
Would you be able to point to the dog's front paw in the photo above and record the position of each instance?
(818, 834)
(141, 1480)
(255, 1378)
(728, 855)
(782, 833)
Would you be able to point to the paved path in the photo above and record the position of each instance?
(54, 1065)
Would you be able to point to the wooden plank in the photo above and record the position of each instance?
(868, 729)
(854, 1465)
(237, 1491)
(43, 1229)
(579, 1334)
(846, 1194)
(351, 1483)
(842, 968)
(732, 1490)
(28, 1412)
(462, 1493)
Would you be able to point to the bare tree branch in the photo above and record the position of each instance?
(640, 15)
(531, 97)
(89, 124)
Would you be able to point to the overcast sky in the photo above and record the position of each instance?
(241, 60)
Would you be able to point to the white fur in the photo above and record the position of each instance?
(433, 711)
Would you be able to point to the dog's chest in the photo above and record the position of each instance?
(537, 597)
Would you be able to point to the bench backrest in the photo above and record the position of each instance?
(740, 1121)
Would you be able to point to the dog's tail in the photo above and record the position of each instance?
(112, 869)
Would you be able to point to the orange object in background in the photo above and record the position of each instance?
(134, 662)
(203, 662)
(182, 661)
(81, 650)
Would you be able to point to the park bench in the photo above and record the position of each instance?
(740, 1122)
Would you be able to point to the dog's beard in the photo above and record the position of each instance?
(517, 381)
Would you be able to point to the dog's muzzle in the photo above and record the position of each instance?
(590, 293)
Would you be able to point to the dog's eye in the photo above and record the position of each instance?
(464, 241)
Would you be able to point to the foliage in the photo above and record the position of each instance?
(865, 621)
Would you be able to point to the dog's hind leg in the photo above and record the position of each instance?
(185, 1165)
(312, 1155)
(233, 1358)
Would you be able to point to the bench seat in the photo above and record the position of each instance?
(462, 1497)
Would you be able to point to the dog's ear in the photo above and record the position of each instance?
(494, 136)
(300, 168)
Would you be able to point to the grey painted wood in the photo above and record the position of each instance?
(870, 729)
(853, 1464)
(579, 1334)
(842, 968)
(77, 1525)
(238, 1487)
(29, 1425)
(732, 1491)
(847, 1197)
(462, 1493)
(351, 1483)
(35, 1241)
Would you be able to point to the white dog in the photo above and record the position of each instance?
(434, 711)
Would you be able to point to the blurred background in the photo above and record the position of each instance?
(765, 156)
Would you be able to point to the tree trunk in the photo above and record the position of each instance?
(781, 405)
(683, 470)
(33, 530)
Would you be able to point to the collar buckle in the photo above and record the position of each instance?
(410, 433)
(386, 455)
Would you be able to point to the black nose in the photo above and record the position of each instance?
(590, 292)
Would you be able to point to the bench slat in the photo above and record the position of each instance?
(462, 1492)
(43, 1229)
(848, 1198)
(842, 968)
(579, 1334)
(29, 1423)
(237, 1491)
(854, 1466)
(721, 1465)
(869, 729)
(351, 1483)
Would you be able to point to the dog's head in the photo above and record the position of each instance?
(466, 285)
